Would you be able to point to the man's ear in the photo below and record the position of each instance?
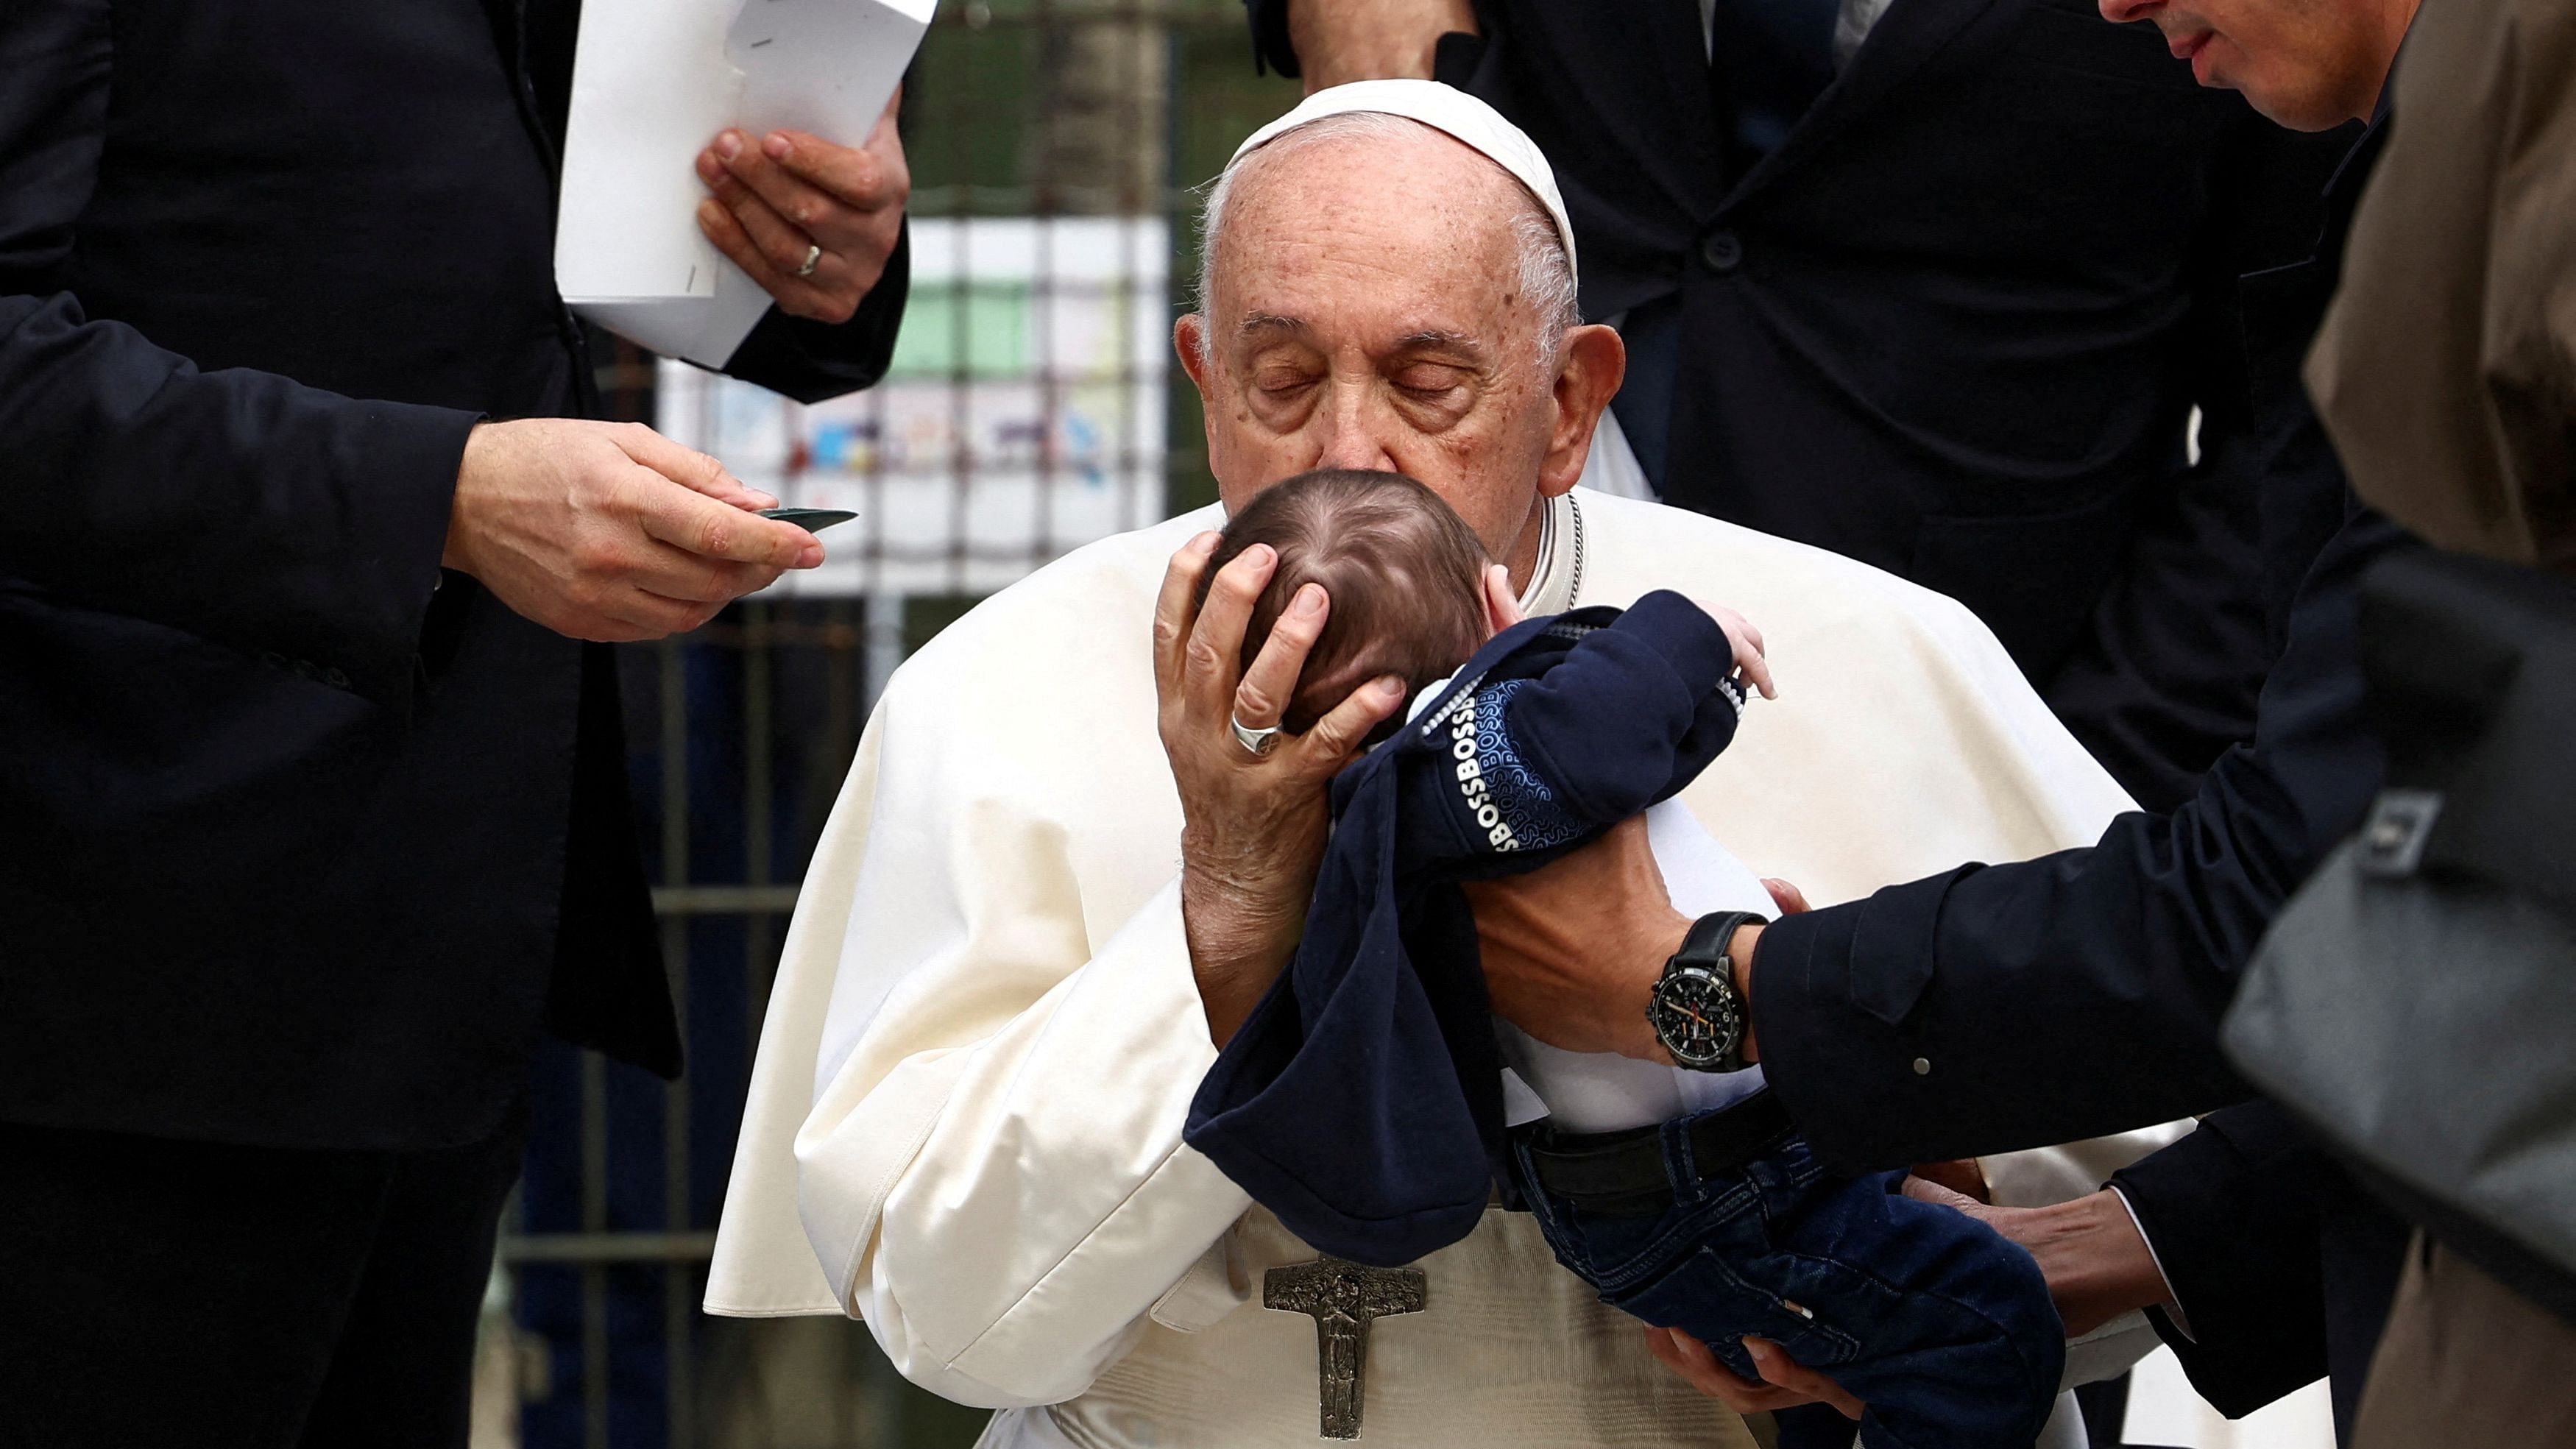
(1588, 371)
(1189, 339)
(1502, 606)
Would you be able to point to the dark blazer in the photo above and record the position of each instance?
(2129, 947)
(300, 839)
(1953, 326)
(2079, 993)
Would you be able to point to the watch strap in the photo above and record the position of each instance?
(1709, 936)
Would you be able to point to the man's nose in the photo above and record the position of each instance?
(2121, 12)
(1354, 434)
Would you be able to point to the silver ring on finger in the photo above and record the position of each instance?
(813, 254)
(1258, 742)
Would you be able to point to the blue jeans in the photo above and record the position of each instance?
(1929, 1317)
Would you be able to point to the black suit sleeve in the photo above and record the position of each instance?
(227, 504)
(2232, 1212)
(811, 361)
(2004, 1007)
(2166, 675)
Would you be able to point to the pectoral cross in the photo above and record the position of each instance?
(1343, 1298)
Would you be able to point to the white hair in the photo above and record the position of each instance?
(1546, 274)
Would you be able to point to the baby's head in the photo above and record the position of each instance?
(1405, 575)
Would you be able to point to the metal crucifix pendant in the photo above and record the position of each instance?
(1343, 1298)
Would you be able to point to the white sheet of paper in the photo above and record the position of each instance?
(653, 82)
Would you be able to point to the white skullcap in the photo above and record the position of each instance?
(1443, 108)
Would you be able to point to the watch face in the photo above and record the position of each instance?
(1695, 1015)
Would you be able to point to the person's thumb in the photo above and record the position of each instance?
(1925, 1190)
(1775, 1366)
(1787, 897)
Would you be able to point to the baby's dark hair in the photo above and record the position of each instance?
(1404, 572)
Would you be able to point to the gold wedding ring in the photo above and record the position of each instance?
(813, 254)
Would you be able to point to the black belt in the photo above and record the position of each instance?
(1622, 1174)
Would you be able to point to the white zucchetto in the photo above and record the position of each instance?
(1443, 108)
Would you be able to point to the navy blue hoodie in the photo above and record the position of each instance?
(1362, 1100)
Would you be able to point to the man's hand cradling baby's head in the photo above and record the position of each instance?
(1404, 574)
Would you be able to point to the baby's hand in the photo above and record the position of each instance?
(1747, 642)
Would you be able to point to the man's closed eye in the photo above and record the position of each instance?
(1428, 381)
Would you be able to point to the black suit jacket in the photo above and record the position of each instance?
(2077, 994)
(298, 838)
(1955, 324)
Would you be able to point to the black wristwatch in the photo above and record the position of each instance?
(1695, 1010)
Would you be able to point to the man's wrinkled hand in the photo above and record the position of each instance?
(785, 197)
(1253, 826)
(610, 531)
(1783, 1385)
(1572, 950)
(2089, 1250)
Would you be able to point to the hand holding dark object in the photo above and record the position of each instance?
(2096, 1262)
(1783, 1385)
(811, 222)
(610, 531)
(1253, 825)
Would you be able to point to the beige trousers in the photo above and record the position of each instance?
(2467, 1363)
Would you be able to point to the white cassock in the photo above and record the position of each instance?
(965, 1120)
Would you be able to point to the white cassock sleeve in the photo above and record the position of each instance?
(992, 1174)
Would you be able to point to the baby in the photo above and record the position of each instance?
(1366, 1100)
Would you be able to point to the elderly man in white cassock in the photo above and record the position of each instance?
(1056, 881)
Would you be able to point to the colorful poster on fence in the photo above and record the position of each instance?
(1023, 416)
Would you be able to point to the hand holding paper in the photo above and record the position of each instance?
(610, 531)
(783, 197)
(658, 82)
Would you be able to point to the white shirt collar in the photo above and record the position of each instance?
(1556, 580)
